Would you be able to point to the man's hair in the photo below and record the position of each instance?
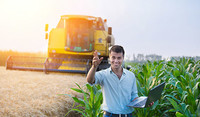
(117, 49)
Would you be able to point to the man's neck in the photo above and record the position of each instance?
(118, 71)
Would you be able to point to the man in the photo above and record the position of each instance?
(118, 84)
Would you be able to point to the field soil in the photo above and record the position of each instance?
(28, 93)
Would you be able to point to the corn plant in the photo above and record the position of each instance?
(185, 80)
(90, 105)
(149, 75)
(182, 91)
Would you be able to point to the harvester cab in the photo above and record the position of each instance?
(70, 46)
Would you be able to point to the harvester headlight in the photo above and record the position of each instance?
(54, 51)
(67, 48)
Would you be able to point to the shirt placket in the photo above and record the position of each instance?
(120, 92)
(119, 82)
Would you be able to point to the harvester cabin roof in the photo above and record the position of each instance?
(80, 16)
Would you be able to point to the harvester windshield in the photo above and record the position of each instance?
(79, 36)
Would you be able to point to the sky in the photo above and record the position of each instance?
(162, 27)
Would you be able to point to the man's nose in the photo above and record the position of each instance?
(115, 60)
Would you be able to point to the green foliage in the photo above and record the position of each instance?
(182, 91)
(91, 102)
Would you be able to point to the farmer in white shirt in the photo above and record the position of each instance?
(118, 84)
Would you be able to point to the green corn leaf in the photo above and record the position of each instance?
(176, 72)
(155, 105)
(171, 96)
(77, 110)
(184, 108)
(174, 104)
(159, 67)
(98, 87)
(78, 86)
(145, 71)
(155, 63)
(178, 114)
(91, 99)
(97, 105)
(162, 73)
(65, 94)
(170, 64)
(69, 112)
(98, 94)
(172, 110)
(77, 90)
(89, 87)
(198, 110)
(151, 81)
(80, 101)
(189, 67)
(195, 90)
(184, 96)
(183, 80)
(95, 89)
(180, 90)
(87, 105)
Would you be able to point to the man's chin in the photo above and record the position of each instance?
(115, 66)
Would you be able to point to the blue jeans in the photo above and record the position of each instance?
(114, 116)
(107, 115)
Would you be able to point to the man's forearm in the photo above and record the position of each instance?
(91, 74)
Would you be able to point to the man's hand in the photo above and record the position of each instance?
(96, 61)
(151, 104)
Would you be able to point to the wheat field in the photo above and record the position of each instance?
(35, 94)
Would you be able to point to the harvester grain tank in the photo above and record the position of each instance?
(70, 46)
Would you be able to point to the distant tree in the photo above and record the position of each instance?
(153, 57)
(134, 58)
(140, 57)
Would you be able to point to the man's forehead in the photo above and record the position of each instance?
(116, 54)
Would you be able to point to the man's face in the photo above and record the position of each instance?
(116, 59)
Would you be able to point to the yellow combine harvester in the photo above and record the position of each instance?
(70, 47)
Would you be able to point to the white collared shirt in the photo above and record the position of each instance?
(117, 93)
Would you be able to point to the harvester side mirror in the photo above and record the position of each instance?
(108, 39)
(46, 35)
(110, 30)
(46, 27)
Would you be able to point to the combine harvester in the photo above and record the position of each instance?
(70, 46)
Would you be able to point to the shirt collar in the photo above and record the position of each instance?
(113, 72)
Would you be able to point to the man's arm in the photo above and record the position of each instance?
(95, 63)
(90, 75)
